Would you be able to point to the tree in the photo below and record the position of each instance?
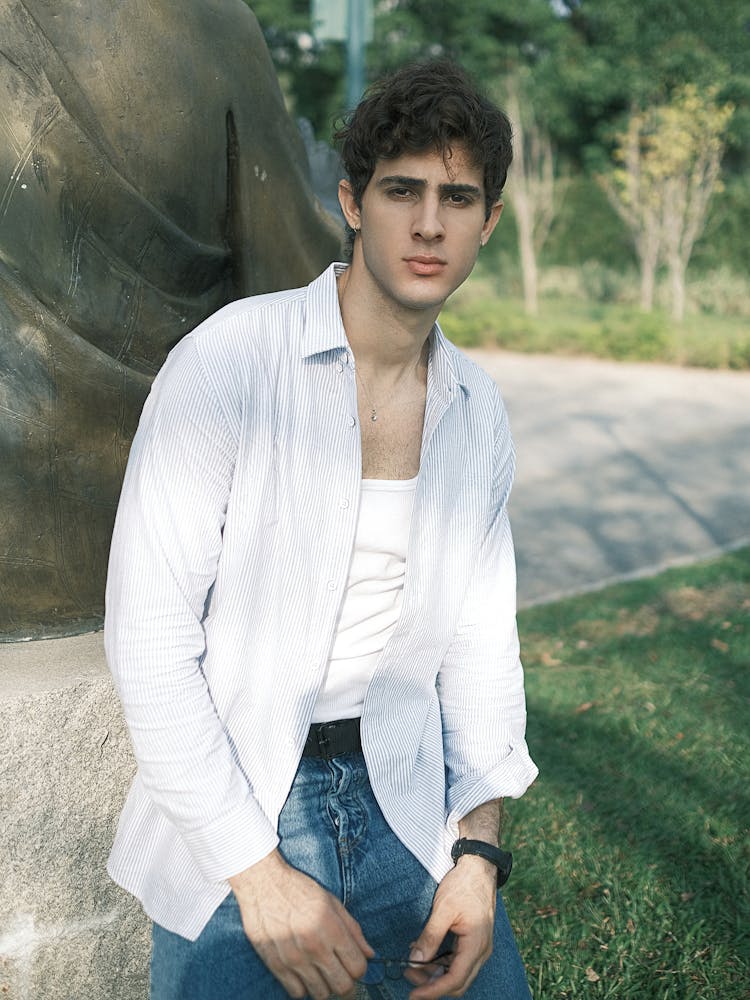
(687, 148)
(618, 55)
(631, 192)
(667, 168)
(532, 184)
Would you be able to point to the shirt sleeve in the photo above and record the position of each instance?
(163, 562)
(481, 684)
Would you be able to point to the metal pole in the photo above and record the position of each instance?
(355, 53)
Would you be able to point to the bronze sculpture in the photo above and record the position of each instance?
(148, 174)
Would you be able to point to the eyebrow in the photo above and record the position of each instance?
(420, 183)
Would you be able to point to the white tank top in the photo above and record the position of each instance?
(372, 602)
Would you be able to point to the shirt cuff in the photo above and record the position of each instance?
(233, 842)
(508, 779)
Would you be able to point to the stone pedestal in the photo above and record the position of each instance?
(66, 931)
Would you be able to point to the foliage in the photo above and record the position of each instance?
(667, 168)
(311, 72)
(725, 236)
(585, 228)
(631, 850)
(587, 64)
(592, 311)
(722, 292)
(619, 55)
(488, 39)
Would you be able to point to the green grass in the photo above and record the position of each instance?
(631, 849)
(479, 316)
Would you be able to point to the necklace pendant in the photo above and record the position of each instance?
(374, 416)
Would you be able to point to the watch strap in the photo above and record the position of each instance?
(502, 860)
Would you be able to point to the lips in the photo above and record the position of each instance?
(425, 264)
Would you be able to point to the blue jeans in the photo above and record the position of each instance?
(331, 828)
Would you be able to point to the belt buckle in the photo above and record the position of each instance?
(324, 736)
(322, 740)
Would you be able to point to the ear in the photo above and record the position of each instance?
(491, 222)
(348, 205)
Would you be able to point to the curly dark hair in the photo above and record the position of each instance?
(425, 105)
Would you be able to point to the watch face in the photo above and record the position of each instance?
(503, 873)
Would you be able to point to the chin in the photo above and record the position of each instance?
(423, 302)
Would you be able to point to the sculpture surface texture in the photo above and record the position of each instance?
(149, 173)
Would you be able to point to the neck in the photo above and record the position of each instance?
(382, 336)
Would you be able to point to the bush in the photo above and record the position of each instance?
(721, 292)
(605, 284)
(637, 337)
(561, 282)
(479, 316)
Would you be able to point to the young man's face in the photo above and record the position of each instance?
(421, 223)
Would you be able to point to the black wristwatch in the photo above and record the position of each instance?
(502, 860)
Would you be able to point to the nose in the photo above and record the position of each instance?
(428, 223)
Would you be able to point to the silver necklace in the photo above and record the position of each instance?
(373, 408)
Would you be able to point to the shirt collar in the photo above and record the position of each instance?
(446, 362)
(324, 330)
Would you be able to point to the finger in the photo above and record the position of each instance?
(337, 983)
(452, 984)
(291, 978)
(418, 975)
(458, 976)
(340, 951)
(429, 941)
(342, 969)
(291, 983)
(353, 961)
(357, 933)
(318, 985)
(351, 947)
(449, 985)
(307, 964)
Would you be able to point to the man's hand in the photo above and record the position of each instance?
(302, 933)
(464, 904)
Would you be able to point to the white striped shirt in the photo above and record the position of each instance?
(228, 565)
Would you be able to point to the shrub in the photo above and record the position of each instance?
(484, 313)
(721, 292)
(605, 284)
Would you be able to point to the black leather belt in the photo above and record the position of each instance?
(329, 739)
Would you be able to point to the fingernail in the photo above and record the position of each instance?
(416, 955)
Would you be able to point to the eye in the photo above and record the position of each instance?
(459, 199)
(399, 192)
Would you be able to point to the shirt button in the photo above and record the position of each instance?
(331, 584)
(344, 503)
(339, 367)
(352, 422)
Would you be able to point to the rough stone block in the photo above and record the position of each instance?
(66, 931)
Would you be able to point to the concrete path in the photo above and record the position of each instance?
(623, 469)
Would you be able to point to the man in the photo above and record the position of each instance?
(311, 605)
